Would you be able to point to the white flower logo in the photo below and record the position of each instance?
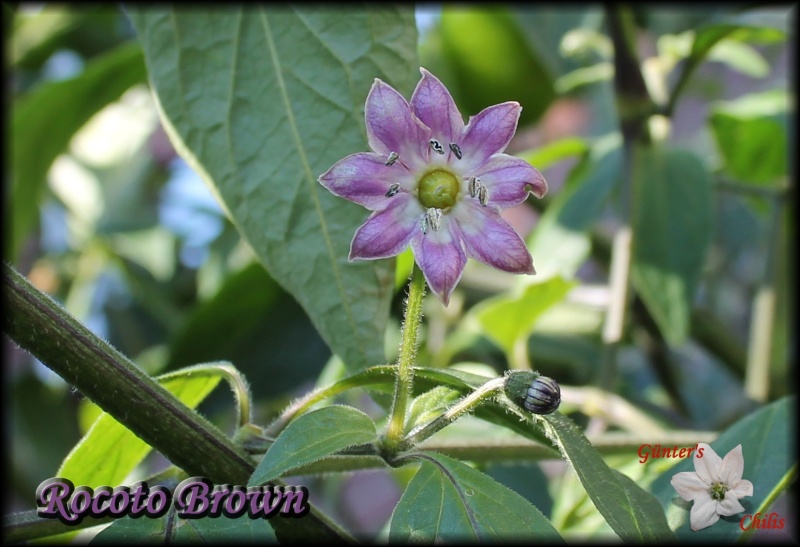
(715, 486)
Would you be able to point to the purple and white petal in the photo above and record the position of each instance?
(434, 106)
(703, 514)
(440, 257)
(387, 233)
(392, 127)
(729, 506)
(363, 178)
(708, 465)
(732, 466)
(490, 239)
(689, 486)
(489, 132)
(508, 180)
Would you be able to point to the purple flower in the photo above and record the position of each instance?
(437, 184)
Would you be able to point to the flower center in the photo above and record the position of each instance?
(438, 189)
(718, 491)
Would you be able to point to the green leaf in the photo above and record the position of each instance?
(313, 436)
(430, 405)
(382, 380)
(672, 228)
(751, 133)
(761, 26)
(634, 514)
(507, 319)
(741, 57)
(172, 529)
(767, 447)
(554, 152)
(109, 451)
(261, 102)
(44, 121)
(448, 500)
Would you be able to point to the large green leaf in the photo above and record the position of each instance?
(109, 451)
(766, 438)
(634, 514)
(261, 101)
(448, 501)
(313, 436)
(672, 228)
(44, 121)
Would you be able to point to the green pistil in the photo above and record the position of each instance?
(718, 491)
(438, 189)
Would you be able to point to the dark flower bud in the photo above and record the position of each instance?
(533, 392)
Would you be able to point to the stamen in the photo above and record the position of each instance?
(483, 195)
(456, 149)
(437, 146)
(393, 157)
(393, 189)
(434, 218)
(423, 221)
(474, 185)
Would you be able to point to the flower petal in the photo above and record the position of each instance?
(489, 132)
(387, 233)
(708, 465)
(490, 239)
(392, 127)
(435, 107)
(741, 488)
(729, 506)
(703, 514)
(732, 466)
(689, 486)
(441, 257)
(507, 179)
(364, 178)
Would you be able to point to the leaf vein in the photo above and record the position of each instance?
(310, 177)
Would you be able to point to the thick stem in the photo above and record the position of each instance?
(41, 326)
(405, 362)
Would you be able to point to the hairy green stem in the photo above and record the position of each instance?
(41, 326)
(405, 361)
(463, 406)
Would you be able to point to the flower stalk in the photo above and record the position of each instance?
(464, 406)
(405, 361)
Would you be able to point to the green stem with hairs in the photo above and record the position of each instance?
(405, 361)
(464, 406)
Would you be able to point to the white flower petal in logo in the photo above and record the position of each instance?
(715, 487)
